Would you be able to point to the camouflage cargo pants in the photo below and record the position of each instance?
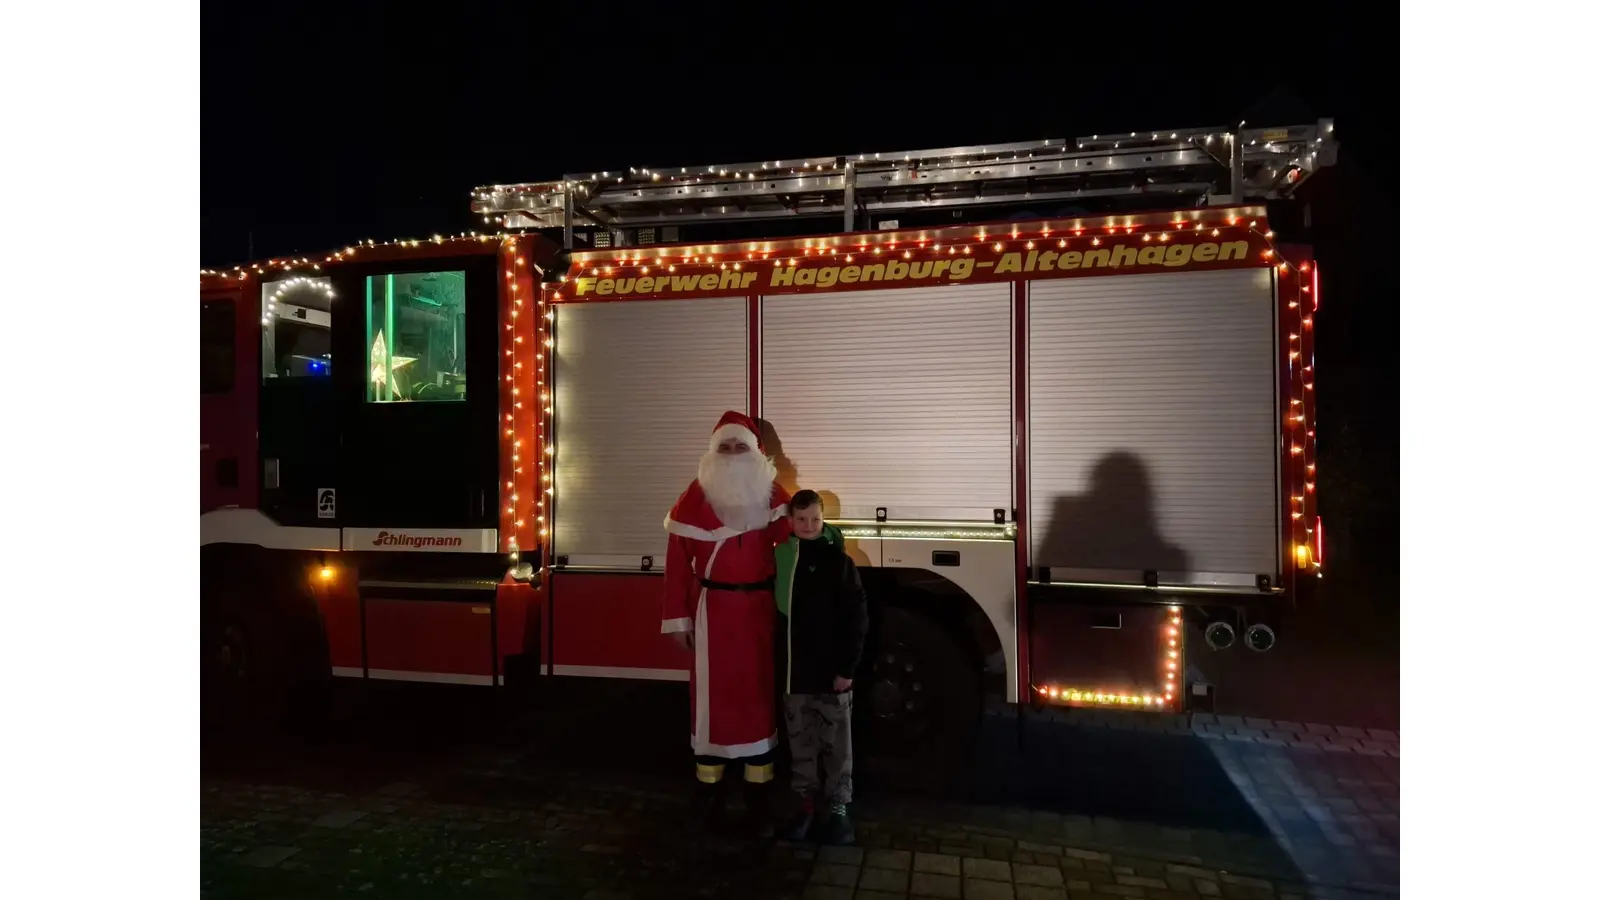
(819, 744)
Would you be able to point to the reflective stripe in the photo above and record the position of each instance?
(709, 774)
(758, 774)
(233, 525)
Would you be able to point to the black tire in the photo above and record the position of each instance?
(919, 702)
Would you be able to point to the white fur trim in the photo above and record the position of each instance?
(735, 751)
(673, 626)
(721, 534)
(738, 432)
(700, 534)
(702, 665)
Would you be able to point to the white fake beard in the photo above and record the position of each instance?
(739, 487)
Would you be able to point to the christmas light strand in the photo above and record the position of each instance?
(738, 254)
(1169, 675)
(291, 263)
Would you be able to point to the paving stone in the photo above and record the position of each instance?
(849, 856)
(339, 818)
(899, 860)
(1088, 855)
(827, 892)
(927, 884)
(1045, 876)
(884, 880)
(267, 857)
(541, 825)
(981, 889)
(994, 870)
(1093, 866)
(937, 864)
(833, 873)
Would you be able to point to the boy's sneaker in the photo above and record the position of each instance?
(838, 830)
(799, 827)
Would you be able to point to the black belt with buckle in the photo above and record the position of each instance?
(721, 586)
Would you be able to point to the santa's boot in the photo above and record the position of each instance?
(705, 805)
(758, 800)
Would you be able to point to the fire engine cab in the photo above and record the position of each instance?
(1058, 395)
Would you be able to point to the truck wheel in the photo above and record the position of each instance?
(244, 678)
(921, 702)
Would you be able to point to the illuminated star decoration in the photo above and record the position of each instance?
(380, 371)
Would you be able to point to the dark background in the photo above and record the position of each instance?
(322, 124)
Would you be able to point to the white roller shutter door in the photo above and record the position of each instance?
(897, 398)
(1153, 432)
(639, 385)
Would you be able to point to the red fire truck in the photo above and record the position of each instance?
(1060, 440)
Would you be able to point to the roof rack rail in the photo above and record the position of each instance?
(1173, 168)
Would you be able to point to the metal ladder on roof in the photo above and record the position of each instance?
(1186, 167)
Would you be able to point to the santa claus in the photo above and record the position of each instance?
(719, 605)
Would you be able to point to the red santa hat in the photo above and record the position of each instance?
(738, 426)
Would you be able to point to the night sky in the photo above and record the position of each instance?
(301, 102)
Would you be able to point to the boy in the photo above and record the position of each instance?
(824, 626)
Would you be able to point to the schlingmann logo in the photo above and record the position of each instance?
(385, 539)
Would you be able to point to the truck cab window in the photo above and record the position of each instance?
(416, 337)
(296, 328)
(216, 347)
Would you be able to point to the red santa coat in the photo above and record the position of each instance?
(731, 684)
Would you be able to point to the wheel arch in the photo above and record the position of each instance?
(274, 589)
(980, 625)
(969, 586)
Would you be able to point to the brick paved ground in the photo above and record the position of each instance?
(422, 800)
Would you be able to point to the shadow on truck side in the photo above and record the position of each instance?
(1113, 526)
